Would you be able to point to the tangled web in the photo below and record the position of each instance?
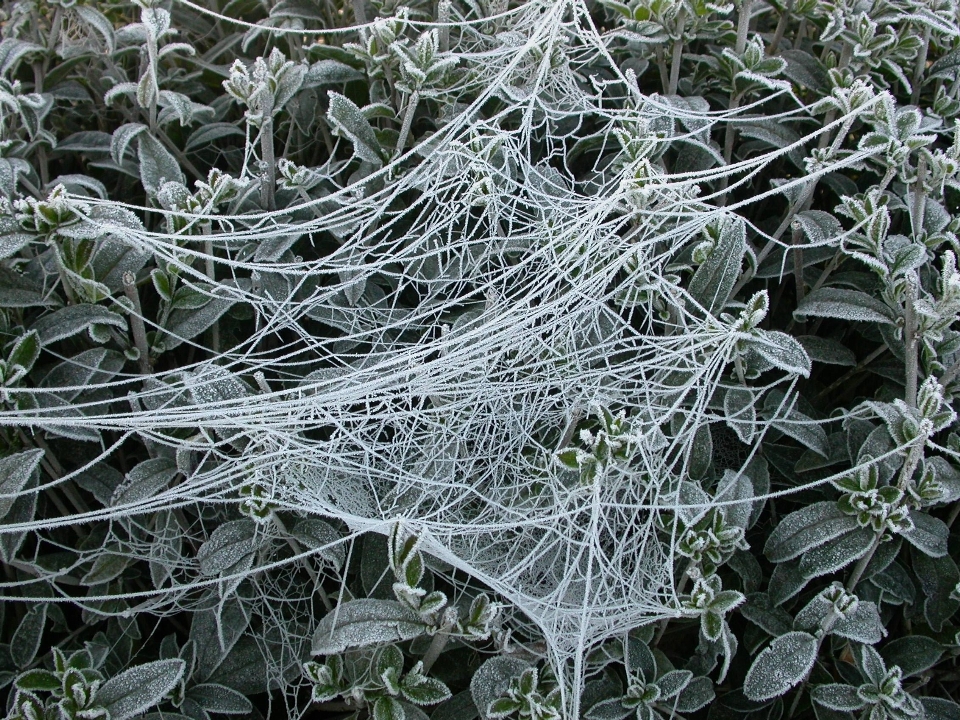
(486, 305)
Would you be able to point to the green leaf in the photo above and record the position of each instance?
(25, 351)
(862, 625)
(696, 695)
(807, 528)
(161, 283)
(210, 132)
(783, 664)
(843, 304)
(713, 281)
(25, 642)
(220, 699)
(386, 708)
(359, 623)
(837, 553)
(140, 687)
(157, 165)
(347, 120)
(421, 690)
(491, 681)
(144, 481)
(319, 535)
(15, 472)
(68, 321)
(106, 567)
(227, 546)
(782, 351)
(938, 577)
(913, 653)
(837, 696)
(929, 534)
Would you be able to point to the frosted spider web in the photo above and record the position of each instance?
(472, 330)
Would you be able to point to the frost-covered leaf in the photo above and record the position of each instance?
(143, 481)
(157, 165)
(837, 697)
(912, 653)
(828, 351)
(331, 72)
(107, 566)
(68, 321)
(843, 304)
(227, 546)
(359, 623)
(837, 553)
(25, 641)
(348, 121)
(492, 679)
(862, 625)
(139, 688)
(807, 528)
(713, 281)
(820, 227)
(220, 699)
(929, 534)
(315, 533)
(782, 351)
(696, 695)
(938, 577)
(15, 473)
(211, 132)
(783, 664)
(740, 412)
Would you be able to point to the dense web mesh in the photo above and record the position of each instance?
(483, 306)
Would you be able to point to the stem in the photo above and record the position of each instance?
(728, 146)
(743, 25)
(407, 122)
(443, 17)
(437, 645)
(920, 66)
(359, 12)
(781, 28)
(798, 264)
(910, 343)
(211, 273)
(136, 322)
(677, 52)
(662, 67)
(269, 180)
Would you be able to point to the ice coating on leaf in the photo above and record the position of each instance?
(140, 687)
(228, 545)
(843, 304)
(363, 622)
(781, 665)
(492, 679)
(15, 472)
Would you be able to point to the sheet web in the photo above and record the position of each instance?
(487, 301)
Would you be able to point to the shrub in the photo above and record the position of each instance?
(480, 359)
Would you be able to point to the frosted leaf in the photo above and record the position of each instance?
(698, 694)
(73, 319)
(25, 642)
(783, 664)
(317, 534)
(145, 480)
(782, 351)
(843, 698)
(17, 290)
(836, 554)
(492, 679)
(220, 699)
(862, 625)
(807, 528)
(740, 412)
(843, 304)
(827, 350)
(928, 534)
(364, 622)
(347, 120)
(139, 688)
(820, 227)
(713, 281)
(913, 654)
(15, 472)
(227, 546)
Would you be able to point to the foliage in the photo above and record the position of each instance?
(480, 359)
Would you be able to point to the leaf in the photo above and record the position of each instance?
(837, 553)
(244, 668)
(347, 120)
(929, 534)
(25, 641)
(220, 699)
(317, 534)
(106, 567)
(157, 165)
(698, 694)
(227, 546)
(782, 351)
(422, 690)
(187, 324)
(836, 696)
(459, 707)
(938, 577)
(359, 623)
(331, 72)
(386, 708)
(139, 688)
(740, 413)
(828, 351)
(807, 528)
(37, 680)
(820, 227)
(17, 290)
(121, 139)
(713, 281)
(939, 709)
(843, 304)
(73, 319)
(862, 625)
(492, 679)
(144, 481)
(782, 664)
(210, 132)
(25, 352)
(22, 511)
(15, 473)
(913, 653)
